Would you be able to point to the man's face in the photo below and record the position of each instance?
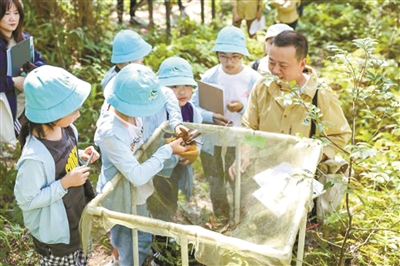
(284, 64)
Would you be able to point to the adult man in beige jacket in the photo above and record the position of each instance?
(267, 111)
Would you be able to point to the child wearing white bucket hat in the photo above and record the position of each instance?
(52, 186)
(135, 93)
(261, 65)
(237, 80)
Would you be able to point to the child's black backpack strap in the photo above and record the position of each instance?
(256, 64)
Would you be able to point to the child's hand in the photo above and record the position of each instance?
(88, 152)
(177, 147)
(234, 106)
(183, 161)
(76, 177)
(178, 129)
(221, 120)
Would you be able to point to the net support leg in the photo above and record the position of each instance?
(237, 184)
(135, 246)
(302, 236)
(184, 251)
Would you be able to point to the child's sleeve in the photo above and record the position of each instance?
(173, 109)
(126, 163)
(198, 119)
(31, 188)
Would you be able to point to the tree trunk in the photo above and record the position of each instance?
(151, 22)
(43, 9)
(49, 11)
(168, 16)
(84, 13)
(202, 11)
(212, 9)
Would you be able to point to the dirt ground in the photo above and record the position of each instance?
(99, 256)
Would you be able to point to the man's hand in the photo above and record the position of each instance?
(233, 169)
(244, 162)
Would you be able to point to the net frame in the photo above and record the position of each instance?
(95, 214)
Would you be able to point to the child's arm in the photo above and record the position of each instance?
(173, 109)
(138, 174)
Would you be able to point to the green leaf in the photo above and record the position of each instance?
(256, 141)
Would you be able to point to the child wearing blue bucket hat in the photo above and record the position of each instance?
(176, 75)
(52, 185)
(236, 80)
(127, 47)
(135, 93)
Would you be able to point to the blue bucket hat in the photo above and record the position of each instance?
(53, 93)
(176, 71)
(231, 40)
(128, 46)
(135, 91)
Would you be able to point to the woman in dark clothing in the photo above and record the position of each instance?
(12, 100)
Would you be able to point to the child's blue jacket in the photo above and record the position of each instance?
(39, 195)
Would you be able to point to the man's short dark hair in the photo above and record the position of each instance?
(289, 38)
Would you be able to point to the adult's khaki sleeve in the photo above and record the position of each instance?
(250, 118)
(337, 128)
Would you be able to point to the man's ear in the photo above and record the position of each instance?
(303, 63)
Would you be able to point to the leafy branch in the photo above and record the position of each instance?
(366, 84)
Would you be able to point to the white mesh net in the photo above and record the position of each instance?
(268, 204)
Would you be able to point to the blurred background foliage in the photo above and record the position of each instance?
(77, 35)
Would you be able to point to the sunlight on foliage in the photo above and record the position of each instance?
(354, 45)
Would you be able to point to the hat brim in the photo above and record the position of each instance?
(109, 88)
(136, 55)
(175, 81)
(229, 48)
(72, 103)
(138, 110)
